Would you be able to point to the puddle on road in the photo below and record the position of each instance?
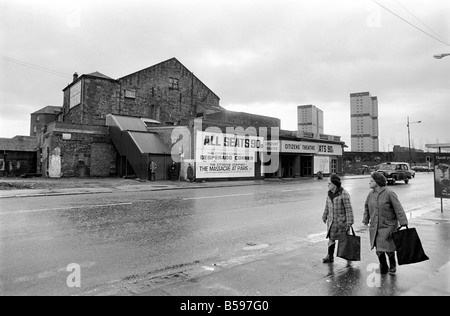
(253, 246)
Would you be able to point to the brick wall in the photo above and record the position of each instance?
(167, 92)
(88, 150)
(99, 97)
(244, 120)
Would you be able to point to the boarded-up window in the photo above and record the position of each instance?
(130, 94)
(75, 94)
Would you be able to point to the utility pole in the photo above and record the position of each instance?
(409, 137)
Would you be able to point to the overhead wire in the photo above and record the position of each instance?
(406, 21)
(418, 19)
(23, 63)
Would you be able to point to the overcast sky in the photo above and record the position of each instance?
(259, 56)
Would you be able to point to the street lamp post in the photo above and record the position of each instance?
(440, 56)
(409, 137)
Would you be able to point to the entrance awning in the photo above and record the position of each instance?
(149, 143)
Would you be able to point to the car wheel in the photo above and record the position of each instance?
(406, 181)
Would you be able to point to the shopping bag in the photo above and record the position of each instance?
(409, 247)
(349, 246)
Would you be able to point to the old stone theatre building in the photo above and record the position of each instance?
(164, 114)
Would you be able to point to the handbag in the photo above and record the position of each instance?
(349, 246)
(409, 247)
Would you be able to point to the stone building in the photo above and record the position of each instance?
(43, 117)
(167, 92)
(164, 95)
(165, 115)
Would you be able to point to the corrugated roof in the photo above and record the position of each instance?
(18, 143)
(127, 123)
(49, 110)
(149, 143)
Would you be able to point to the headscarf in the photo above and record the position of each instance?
(334, 178)
(379, 179)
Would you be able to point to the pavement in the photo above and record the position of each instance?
(291, 268)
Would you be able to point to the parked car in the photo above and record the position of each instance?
(396, 171)
(422, 168)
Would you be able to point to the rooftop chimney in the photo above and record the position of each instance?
(75, 76)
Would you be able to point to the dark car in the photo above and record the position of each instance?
(422, 168)
(396, 171)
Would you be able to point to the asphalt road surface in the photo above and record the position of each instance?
(102, 241)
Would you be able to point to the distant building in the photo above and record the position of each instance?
(364, 122)
(43, 117)
(399, 149)
(310, 120)
(17, 156)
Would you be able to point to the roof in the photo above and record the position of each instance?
(49, 110)
(443, 145)
(99, 75)
(127, 123)
(149, 143)
(18, 143)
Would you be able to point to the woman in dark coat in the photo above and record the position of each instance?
(338, 214)
(384, 212)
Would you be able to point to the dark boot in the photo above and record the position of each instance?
(392, 263)
(330, 256)
(383, 264)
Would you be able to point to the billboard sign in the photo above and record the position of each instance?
(442, 176)
(226, 155)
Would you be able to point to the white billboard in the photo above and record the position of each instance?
(219, 155)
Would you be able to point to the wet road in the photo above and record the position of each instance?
(129, 235)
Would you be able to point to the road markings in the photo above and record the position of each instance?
(62, 208)
(216, 196)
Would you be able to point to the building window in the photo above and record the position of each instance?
(130, 94)
(334, 166)
(173, 83)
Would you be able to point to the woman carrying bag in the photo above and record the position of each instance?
(338, 214)
(384, 212)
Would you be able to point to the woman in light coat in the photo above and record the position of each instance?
(384, 212)
(338, 214)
